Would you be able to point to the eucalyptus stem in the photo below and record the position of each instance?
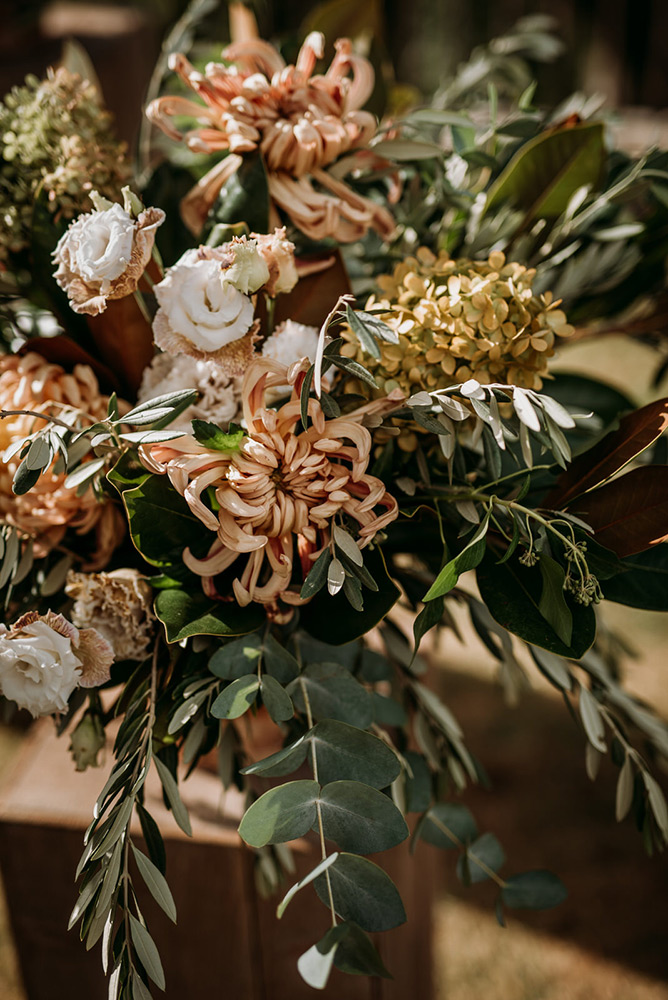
(462, 847)
(318, 809)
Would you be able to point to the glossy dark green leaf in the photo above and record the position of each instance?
(535, 890)
(184, 614)
(546, 172)
(552, 605)
(333, 693)
(511, 592)
(243, 198)
(276, 700)
(161, 524)
(644, 584)
(360, 819)
(363, 893)
(281, 814)
(236, 698)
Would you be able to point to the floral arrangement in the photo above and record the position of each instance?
(215, 511)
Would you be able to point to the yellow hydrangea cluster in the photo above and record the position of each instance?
(461, 319)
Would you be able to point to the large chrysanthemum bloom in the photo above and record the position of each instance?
(49, 508)
(279, 495)
(300, 123)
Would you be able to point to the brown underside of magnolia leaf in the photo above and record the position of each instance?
(124, 340)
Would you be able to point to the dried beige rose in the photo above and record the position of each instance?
(44, 658)
(103, 255)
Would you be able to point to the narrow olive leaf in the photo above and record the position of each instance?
(236, 698)
(624, 796)
(431, 615)
(552, 604)
(348, 545)
(336, 576)
(470, 557)
(185, 712)
(85, 472)
(40, 454)
(116, 829)
(169, 399)
(281, 814)
(534, 890)
(156, 883)
(317, 576)
(591, 720)
(377, 326)
(151, 834)
(115, 982)
(365, 336)
(657, 801)
(353, 368)
(147, 951)
(172, 792)
(56, 577)
(304, 396)
(140, 990)
(293, 890)
(85, 897)
(10, 559)
(276, 700)
(110, 882)
(24, 479)
(554, 667)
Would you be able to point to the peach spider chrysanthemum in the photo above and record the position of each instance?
(282, 490)
(301, 123)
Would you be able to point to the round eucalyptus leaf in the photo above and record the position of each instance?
(333, 693)
(281, 814)
(363, 893)
(444, 819)
(276, 701)
(236, 698)
(360, 819)
(345, 752)
(535, 890)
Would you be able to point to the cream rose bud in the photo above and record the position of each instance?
(200, 312)
(43, 658)
(279, 255)
(250, 271)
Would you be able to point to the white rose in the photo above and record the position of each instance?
(104, 245)
(38, 669)
(103, 254)
(43, 658)
(200, 313)
(249, 272)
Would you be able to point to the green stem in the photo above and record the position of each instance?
(321, 832)
(462, 846)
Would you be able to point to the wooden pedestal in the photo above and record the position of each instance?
(228, 941)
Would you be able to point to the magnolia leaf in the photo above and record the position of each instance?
(630, 514)
(184, 614)
(511, 592)
(636, 432)
(543, 175)
(643, 583)
(553, 606)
